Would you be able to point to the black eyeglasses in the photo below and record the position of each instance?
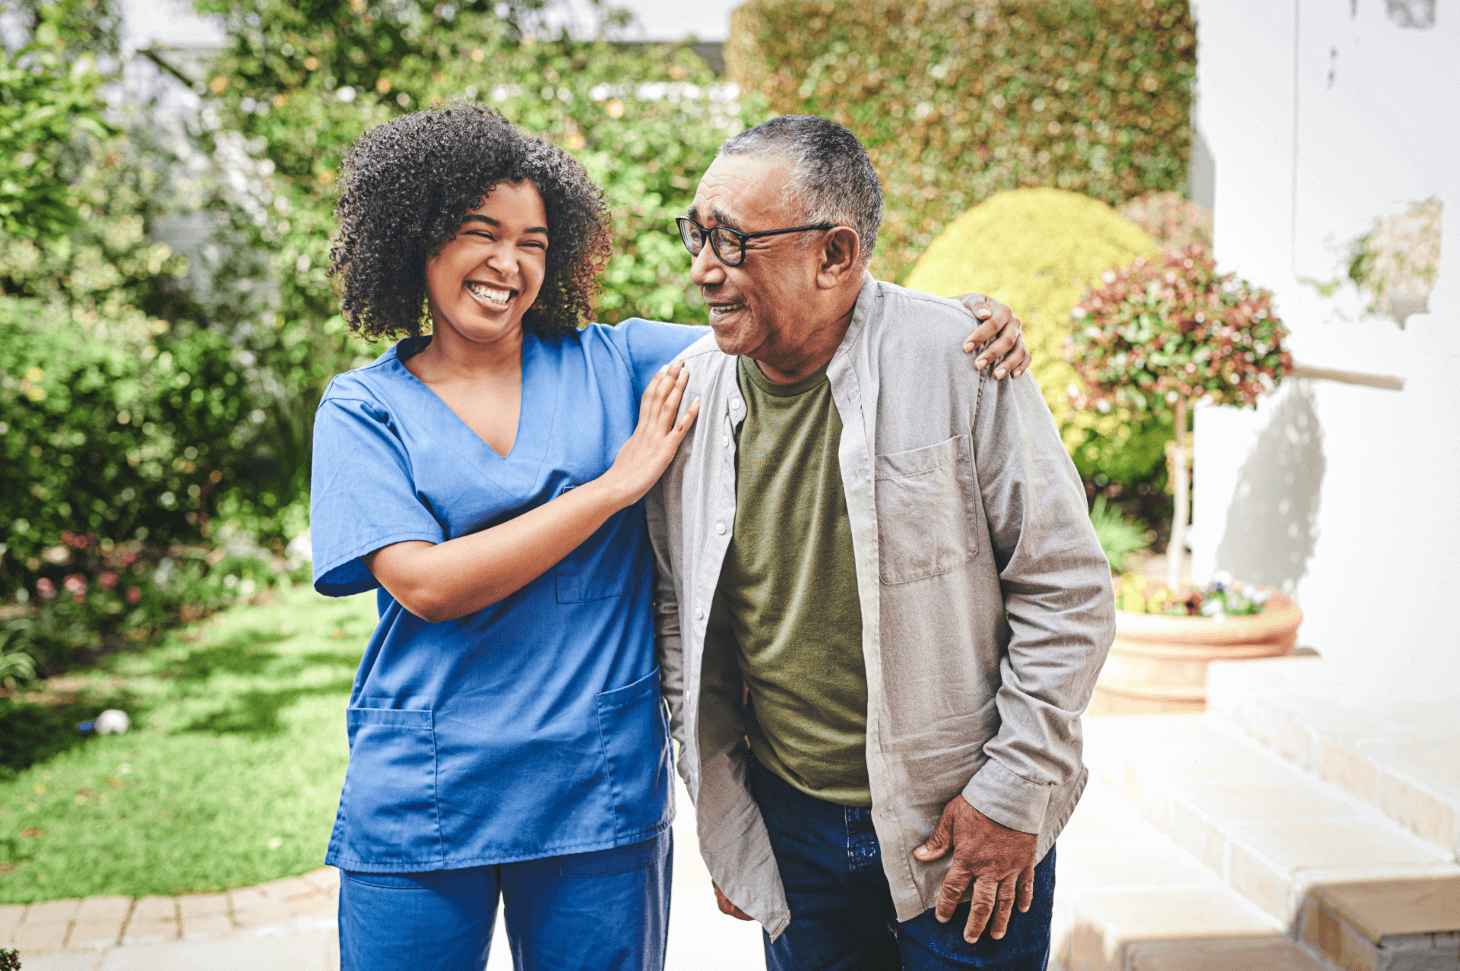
(728, 244)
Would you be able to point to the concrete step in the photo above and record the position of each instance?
(1272, 834)
(1394, 743)
(1127, 898)
(1385, 925)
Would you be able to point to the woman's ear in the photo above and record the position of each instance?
(840, 257)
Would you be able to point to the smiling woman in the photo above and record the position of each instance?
(390, 227)
(505, 725)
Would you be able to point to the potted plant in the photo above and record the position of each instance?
(1159, 337)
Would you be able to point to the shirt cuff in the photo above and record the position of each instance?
(1008, 800)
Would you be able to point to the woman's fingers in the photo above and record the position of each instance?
(690, 414)
(674, 394)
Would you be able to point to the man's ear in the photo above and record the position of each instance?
(840, 254)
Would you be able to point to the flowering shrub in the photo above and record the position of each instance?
(106, 593)
(959, 99)
(1220, 599)
(1158, 336)
(1031, 248)
(1155, 334)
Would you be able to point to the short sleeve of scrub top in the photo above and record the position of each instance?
(533, 727)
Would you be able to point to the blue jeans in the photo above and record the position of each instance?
(842, 916)
(608, 910)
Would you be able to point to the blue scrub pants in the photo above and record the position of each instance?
(842, 916)
(606, 910)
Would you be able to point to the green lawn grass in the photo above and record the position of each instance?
(230, 774)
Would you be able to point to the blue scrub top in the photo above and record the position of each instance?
(531, 728)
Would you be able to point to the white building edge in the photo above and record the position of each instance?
(1319, 116)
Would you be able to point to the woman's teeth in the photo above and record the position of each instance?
(489, 296)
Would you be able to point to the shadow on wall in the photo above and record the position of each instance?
(1272, 523)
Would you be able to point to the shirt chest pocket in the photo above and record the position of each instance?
(606, 564)
(927, 510)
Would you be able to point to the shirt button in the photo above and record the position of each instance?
(734, 404)
(699, 614)
(727, 441)
(720, 528)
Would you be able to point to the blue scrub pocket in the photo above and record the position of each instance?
(388, 806)
(603, 565)
(635, 735)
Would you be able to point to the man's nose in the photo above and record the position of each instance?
(707, 270)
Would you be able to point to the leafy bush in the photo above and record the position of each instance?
(108, 433)
(1032, 248)
(1154, 335)
(959, 99)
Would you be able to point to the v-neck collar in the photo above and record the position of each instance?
(535, 411)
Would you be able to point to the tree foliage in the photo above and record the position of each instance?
(49, 91)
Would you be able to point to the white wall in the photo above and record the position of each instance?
(1323, 115)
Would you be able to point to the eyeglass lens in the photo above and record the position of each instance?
(726, 243)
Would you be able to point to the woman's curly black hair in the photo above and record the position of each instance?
(408, 184)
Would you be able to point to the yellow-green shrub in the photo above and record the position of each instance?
(1037, 250)
(959, 99)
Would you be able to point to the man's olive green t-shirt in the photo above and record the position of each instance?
(788, 590)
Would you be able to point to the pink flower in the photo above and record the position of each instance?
(45, 588)
(108, 580)
(133, 595)
(75, 584)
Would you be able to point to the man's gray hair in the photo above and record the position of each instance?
(831, 176)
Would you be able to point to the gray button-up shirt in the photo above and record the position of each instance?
(986, 602)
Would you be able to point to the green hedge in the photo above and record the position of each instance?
(118, 435)
(959, 99)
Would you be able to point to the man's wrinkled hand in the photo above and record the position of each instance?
(726, 907)
(1007, 352)
(998, 861)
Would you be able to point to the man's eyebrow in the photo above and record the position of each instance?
(724, 218)
(716, 213)
(478, 217)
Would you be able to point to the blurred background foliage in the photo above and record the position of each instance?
(959, 99)
(156, 398)
(167, 327)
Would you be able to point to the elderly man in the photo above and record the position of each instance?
(881, 606)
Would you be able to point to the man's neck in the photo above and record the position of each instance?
(813, 354)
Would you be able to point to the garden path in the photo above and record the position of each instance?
(290, 924)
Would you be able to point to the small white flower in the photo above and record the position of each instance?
(1213, 608)
(1221, 579)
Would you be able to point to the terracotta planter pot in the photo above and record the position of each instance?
(1158, 664)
